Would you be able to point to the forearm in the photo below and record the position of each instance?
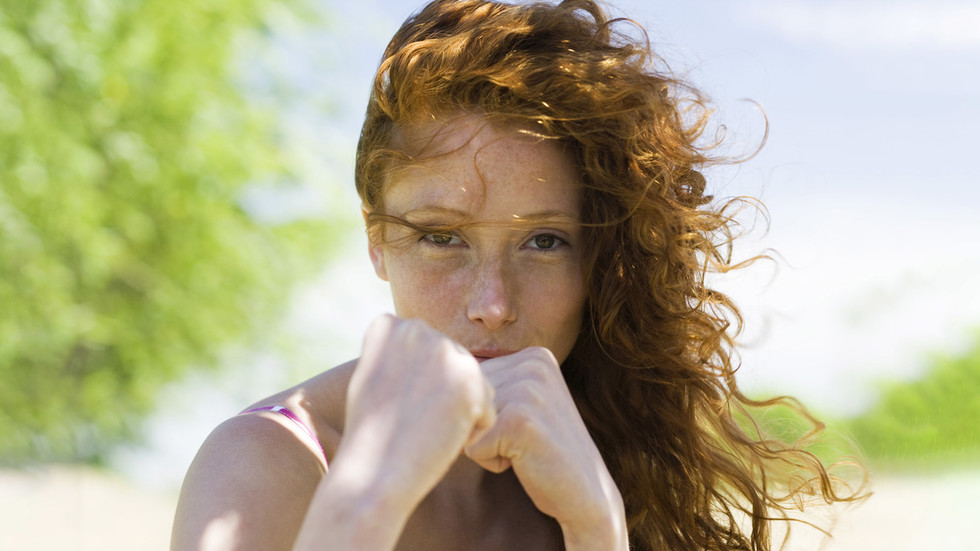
(604, 529)
(353, 511)
(612, 536)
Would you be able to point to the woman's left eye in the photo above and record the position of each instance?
(545, 241)
(441, 238)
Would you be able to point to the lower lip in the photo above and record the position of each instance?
(480, 358)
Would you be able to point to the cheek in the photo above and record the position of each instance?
(574, 303)
(565, 304)
(556, 304)
(420, 289)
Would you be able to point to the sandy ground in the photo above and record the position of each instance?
(83, 509)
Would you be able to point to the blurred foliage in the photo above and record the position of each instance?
(788, 421)
(926, 423)
(126, 257)
(922, 424)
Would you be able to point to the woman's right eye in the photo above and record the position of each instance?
(442, 238)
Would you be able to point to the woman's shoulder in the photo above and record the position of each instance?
(296, 426)
(264, 461)
(313, 411)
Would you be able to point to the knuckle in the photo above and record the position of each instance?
(531, 395)
(463, 383)
(519, 422)
(542, 354)
(413, 327)
(541, 359)
(470, 401)
(537, 373)
(380, 328)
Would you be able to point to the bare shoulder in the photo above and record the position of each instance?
(253, 478)
(247, 488)
(320, 402)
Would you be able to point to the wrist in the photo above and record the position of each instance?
(602, 529)
(600, 535)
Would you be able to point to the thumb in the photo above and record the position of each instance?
(486, 452)
(488, 414)
(483, 444)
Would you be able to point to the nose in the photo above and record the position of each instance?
(491, 302)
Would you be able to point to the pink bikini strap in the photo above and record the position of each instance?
(288, 413)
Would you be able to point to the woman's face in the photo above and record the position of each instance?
(510, 275)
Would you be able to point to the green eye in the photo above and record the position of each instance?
(545, 241)
(440, 238)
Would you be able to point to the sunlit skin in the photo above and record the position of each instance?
(492, 260)
(510, 275)
(455, 428)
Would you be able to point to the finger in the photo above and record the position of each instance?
(485, 444)
(485, 452)
(488, 416)
(533, 360)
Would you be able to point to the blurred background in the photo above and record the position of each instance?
(179, 236)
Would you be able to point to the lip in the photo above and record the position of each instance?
(484, 355)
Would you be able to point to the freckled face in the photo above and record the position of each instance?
(507, 274)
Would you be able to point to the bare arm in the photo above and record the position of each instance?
(248, 488)
(413, 402)
(356, 507)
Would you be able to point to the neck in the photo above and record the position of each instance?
(469, 489)
(466, 479)
(474, 508)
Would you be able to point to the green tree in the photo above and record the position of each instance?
(929, 422)
(126, 257)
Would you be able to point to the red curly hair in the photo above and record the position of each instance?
(652, 372)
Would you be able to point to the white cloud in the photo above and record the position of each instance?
(872, 25)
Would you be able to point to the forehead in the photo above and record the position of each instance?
(471, 165)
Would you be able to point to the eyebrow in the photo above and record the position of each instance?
(535, 217)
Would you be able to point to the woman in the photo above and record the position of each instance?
(557, 376)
